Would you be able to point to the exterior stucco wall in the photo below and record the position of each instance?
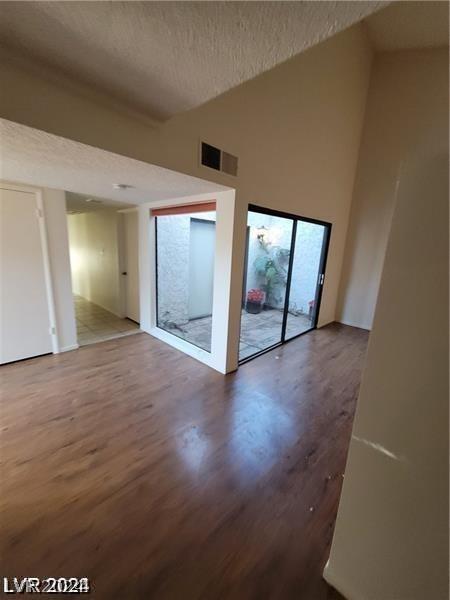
(174, 234)
(173, 269)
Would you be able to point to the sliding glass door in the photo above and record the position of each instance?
(306, 277)
(283, 278)
(269, 239)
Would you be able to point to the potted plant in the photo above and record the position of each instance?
(271, 267)
(255, 299)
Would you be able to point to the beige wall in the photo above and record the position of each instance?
(94, 258)
(391, 536)
(35, 97)
(296, 130)
(407, 109)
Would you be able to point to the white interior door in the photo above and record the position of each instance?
(24, 310)
(201, 268)
(131, 266)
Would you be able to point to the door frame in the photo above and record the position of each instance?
(123, 261)
(320, 280)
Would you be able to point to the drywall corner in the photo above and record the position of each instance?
(58, 247)
(342, 587)
(391, 534)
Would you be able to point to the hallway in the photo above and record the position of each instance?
(95, 324)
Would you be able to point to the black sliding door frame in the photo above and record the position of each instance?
(320, 279)
(288, 281)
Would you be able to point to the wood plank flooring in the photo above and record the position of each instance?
(136, 466)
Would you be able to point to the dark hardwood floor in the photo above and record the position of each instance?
(136, 466)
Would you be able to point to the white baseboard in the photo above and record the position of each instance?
(68, 348)
(194, 351)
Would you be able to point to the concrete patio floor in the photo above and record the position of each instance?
(263, 330)
(258, 332)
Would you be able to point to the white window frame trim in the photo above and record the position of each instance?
(218, 358)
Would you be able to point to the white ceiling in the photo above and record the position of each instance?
(162, 58)
(82, 203)
(38, 158)
(410, 25)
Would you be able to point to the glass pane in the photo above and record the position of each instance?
(185, 248)
(267, 262)
(305, 273)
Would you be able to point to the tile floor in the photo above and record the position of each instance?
(258, 332)
(95, 324)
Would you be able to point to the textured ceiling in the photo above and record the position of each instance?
(410, 25)
(82, 203)
(38, 158)
(162, 58)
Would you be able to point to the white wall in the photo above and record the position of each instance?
(94, 257)
(391, 536)
(58, 247)
(407, 108)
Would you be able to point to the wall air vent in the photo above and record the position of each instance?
(229, 163)
(210, 156)
(217, 159)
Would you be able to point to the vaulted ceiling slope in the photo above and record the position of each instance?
(162, 58)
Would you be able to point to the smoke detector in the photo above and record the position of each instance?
(122, 186)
